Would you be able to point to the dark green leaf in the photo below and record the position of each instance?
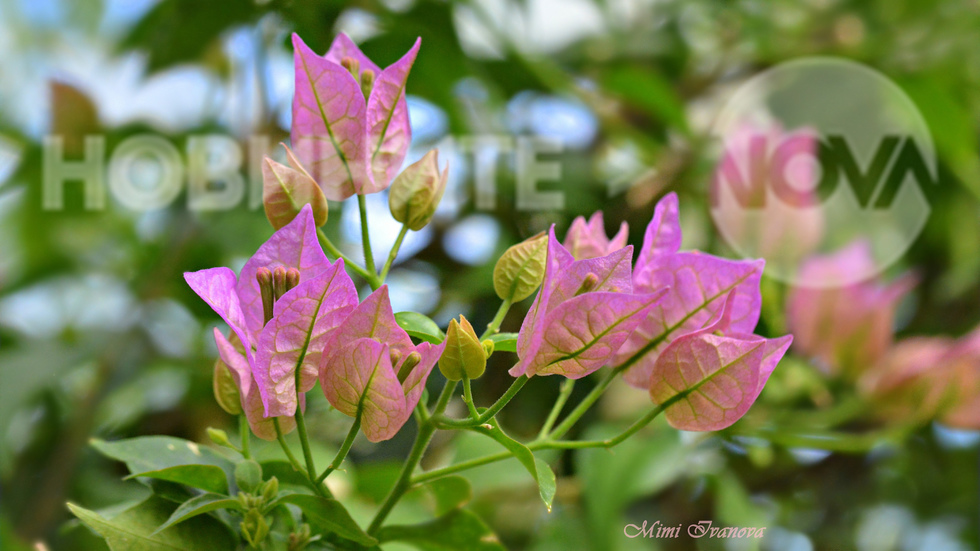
(459, 529)
(285, 473)
(199, 505)
(451, 492)
(133, 530)
(204, 477)
(504, 342)
(327, 516)
(420, 327)
(540, 470)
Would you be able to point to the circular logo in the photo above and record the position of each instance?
(817, 156)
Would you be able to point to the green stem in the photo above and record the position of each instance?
(304, 440)
(414, 458)
(468, 398)
(585, 404)
(244, 430)
(348, 263)
(459, 467)
(366, 242)
(344, 450)
(285, 446)
(566, 391)
(494, 324)
(515, 387)
(394, 253)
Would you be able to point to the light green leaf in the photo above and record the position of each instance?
(133, 530)
(419, 326)
(204, 477)
(504, 342)
(327, 516)
(519, 271)
(459, 529)
(153, 453)
(451, 492)
(199, 505)
(540, 470)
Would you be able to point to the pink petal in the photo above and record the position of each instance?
(217, 287)
(363, 382)
(343, 46)
(583, 333)
(663, 233)
(415, 381)
(295, 245)
(388, 130)
(698, 287)
(328, 133)
(297, 334)
(588, 240)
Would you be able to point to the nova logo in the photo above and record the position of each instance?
(814, 155)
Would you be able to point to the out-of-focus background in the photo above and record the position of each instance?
(100, 337)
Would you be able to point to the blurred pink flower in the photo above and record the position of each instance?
(846, 329)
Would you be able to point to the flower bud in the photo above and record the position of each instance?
(254, 527)
(219, 437)
(367, 81)
(416, 192)
(248, 475)
(226, 391)
(285, 189)
(488, 347)
(464, 352)
(270, 489)
(520, 269)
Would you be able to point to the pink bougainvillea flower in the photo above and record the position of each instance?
(697, 286)
(372, 370)
(583, 313)
(707, 379)
(764, 194)
(284, 332)
(350, 144)
(921, 378)
(847, 329)
(588, 239)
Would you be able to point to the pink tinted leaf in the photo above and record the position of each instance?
(557, 260)
(328, 130)
(363, 382)
(583, 333)
(707, 381)
(216, 286)
(284, 192)
(388, 130)
(698, 286)
(293, 246)
(415, 381)
(297, 334)
(373, 319)
(663, 233)
(262, 426)
(589, 240)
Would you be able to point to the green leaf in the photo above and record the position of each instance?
(285, 473)
(133, 530)
(451, 492)
(459, 529)
(327, 515)
(199, 505)
(419, 326)
(204, 477)
(649, 91)
(540, 470)
(504, 342)
(153, 453)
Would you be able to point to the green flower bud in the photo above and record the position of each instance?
(270, 489)
(464, 352)
(488, 347)
(254, 527)
(285, 189)
(520, 269)
(219, 437)
(416, 192)
(248, 475)
(226, 391)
